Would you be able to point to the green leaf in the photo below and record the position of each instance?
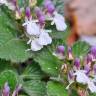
(56, 89)
(49, 63)
(10, 77)
(32, 77)
(34, 88)
(92, 94)
(80, 49)
(39, 2)
(11, 46)
(33, 72)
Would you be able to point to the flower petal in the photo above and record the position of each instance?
(35, 46)
(44, 38)
(59, 21)
(81, 77)
(92, 87)
(33, 29)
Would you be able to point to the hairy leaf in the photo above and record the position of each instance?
(56, 89)
(34, 88)
(80, 49)
(11, 46)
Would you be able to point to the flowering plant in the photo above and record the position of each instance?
(34, 57)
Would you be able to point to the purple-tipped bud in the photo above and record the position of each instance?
(28, 12)
(93, 51)
(6, 90)
(70, 75)
(77, 63)
(89, 59)
(16, 91)
(14, 2)
(87, 69)
(61, 49)
(70, 56)
(49, 6)
(42, 20)
(40, 16)
(94, 69)
(38, 12)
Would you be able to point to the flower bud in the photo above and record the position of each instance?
(70, 56)
(40, 16)
(49, 6)
(89, 59)
(87, 69)
(94, 69)
(14, 2)
(61, 49)
(70, 75)
(93, 52)
(6, 90)
(28, 12)
(77, 63)
(64, 68)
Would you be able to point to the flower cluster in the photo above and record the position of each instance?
(6, 90)
(81, 71)
(35, 28)
(35, 25)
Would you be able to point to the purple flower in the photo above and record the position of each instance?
(89, 58)
(49, 6)
(87, 69)
(38, 12)
(70, 56)
(70, 75)
(61, 49)
(14, 2)
(6, 90)
(28, 12)
(40, 15)
(94, 69)
(93, 51)
(77, 63)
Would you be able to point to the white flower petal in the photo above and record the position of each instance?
(44, 38)
(92, 87)
(35, 46)
(59, 21)
(32, 28)
(81, 77)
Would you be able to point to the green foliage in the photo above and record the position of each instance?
(5, 65)
(49, 63)
(60, 35)
(11, 46)
(44, 66)
(8, 76)
(56, 89)
(34, 88)
(32, 84)
(39, 2)
(80, 49)
(33, 72)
